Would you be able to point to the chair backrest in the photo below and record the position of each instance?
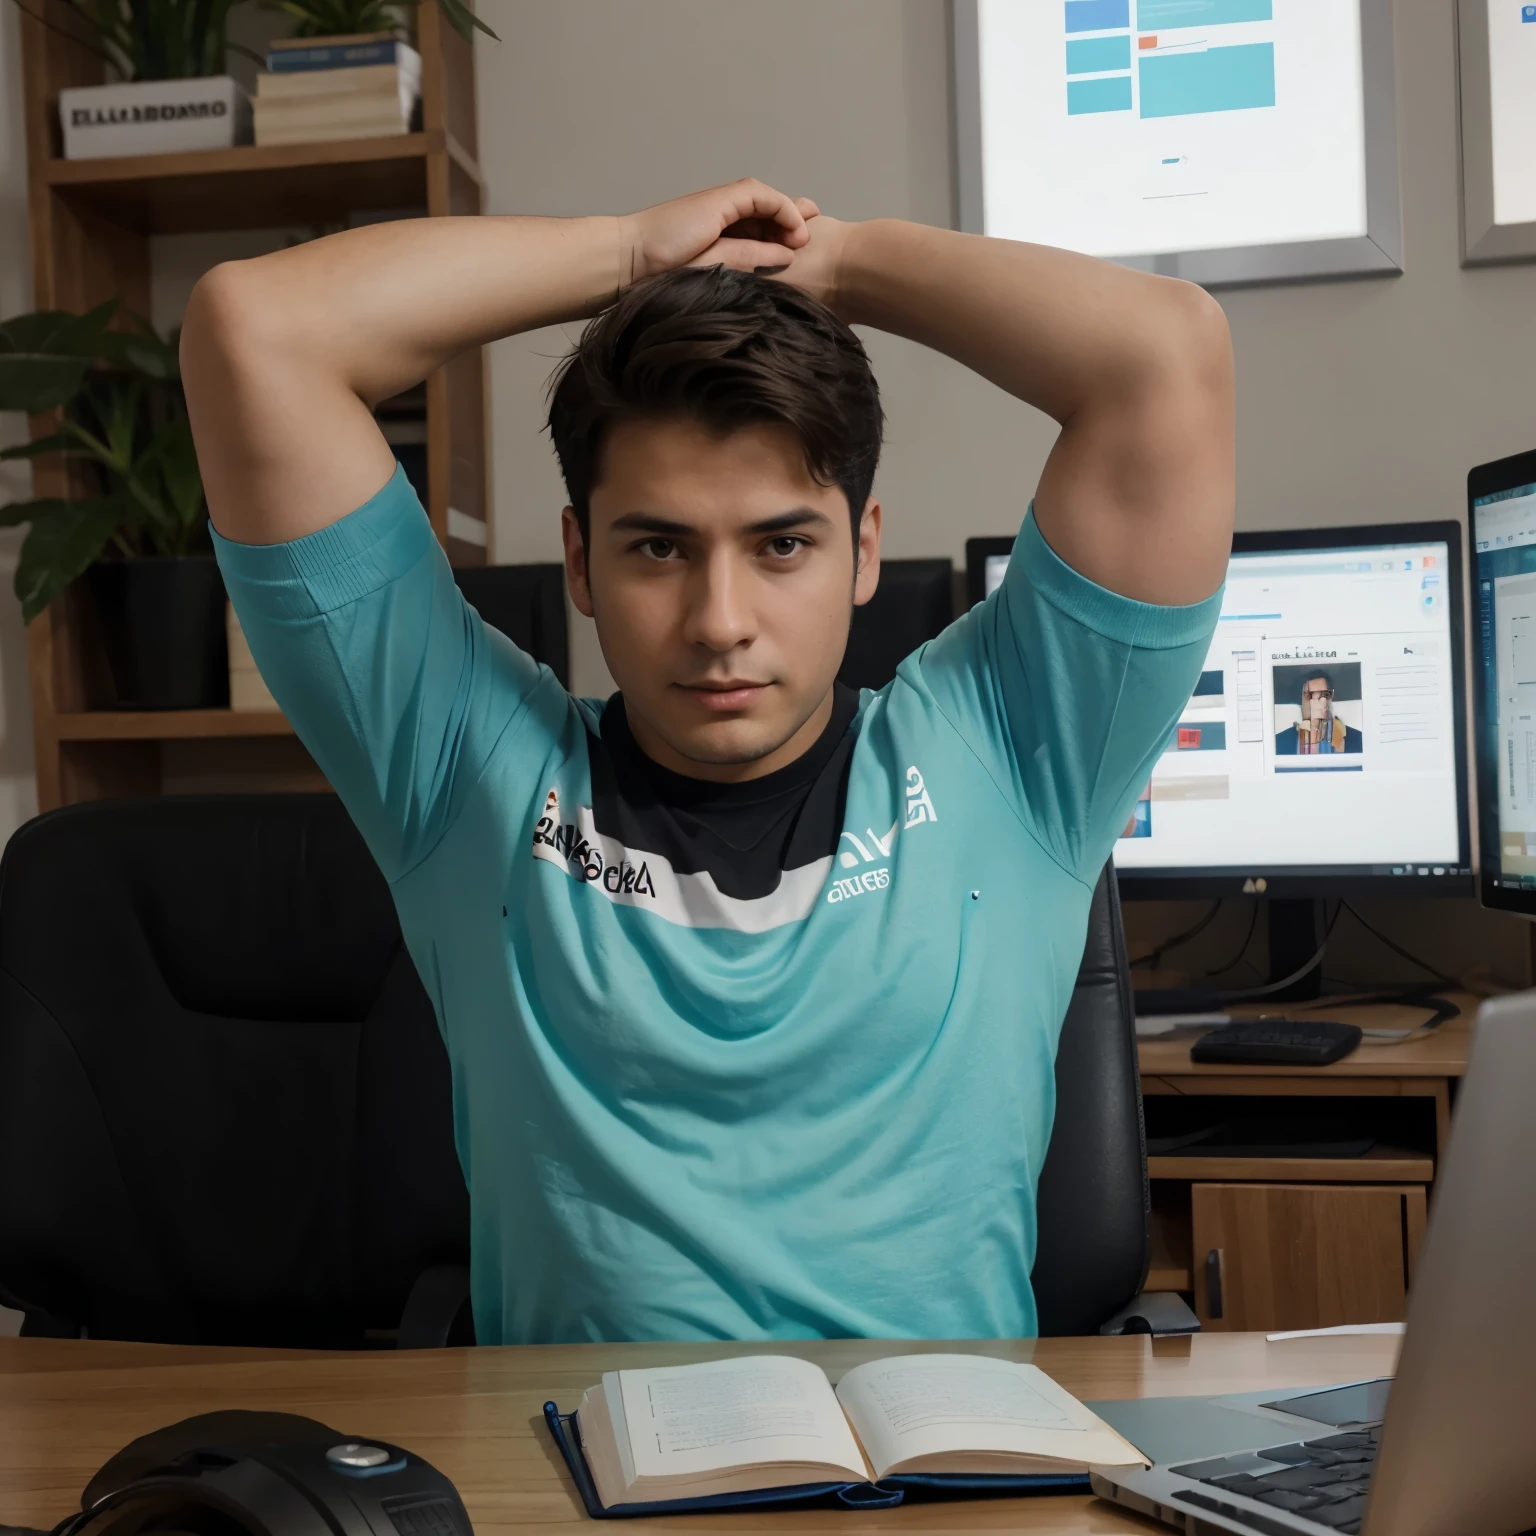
(225, 1110)
(527, 604)
(1092, 1207)
(914, 601)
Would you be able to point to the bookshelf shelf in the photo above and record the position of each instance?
(169, 725)
(251, 187)
(91, 223)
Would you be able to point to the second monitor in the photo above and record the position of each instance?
(1322, 752)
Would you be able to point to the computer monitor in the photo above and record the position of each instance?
(1322, 752)
(985, 562)
(1501, 521)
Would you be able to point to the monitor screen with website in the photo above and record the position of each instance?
(1322, 750)
(1502, 523)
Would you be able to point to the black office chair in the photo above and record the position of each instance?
(225, 1108)
(914, 601)
(527, 604)
(1093, 1208)
(225, 1111)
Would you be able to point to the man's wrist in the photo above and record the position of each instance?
(861, 282)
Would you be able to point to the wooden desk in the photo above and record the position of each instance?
(66, 1406)
(1280, 1227)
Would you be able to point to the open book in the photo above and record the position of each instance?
(771, 1421)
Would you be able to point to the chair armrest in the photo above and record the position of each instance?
(1155, 1312)
(437, 1311)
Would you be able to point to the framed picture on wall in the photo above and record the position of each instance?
(1223, 141)
(1497, 49)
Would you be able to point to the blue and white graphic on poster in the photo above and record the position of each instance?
(1138, 127)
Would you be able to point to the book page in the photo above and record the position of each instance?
(971, 1413)
(691, 1420)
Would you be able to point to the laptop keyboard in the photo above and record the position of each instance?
(1324, 1481)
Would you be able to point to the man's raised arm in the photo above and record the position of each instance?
(285, 356)
(1138, 491)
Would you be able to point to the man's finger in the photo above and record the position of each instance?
(752, 199)
(763, 256)
(808, 209)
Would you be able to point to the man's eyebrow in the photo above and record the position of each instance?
(799, 517)
(670, 528)
(649, 522)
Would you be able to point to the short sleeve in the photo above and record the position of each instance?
(390, 678)
(1068, 693)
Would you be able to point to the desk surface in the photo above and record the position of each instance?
(1441, 1053)
(65, 1407)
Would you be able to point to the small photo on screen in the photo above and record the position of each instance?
(1318, 711)
(1140, 822)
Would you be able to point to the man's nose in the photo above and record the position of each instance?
(720, 615)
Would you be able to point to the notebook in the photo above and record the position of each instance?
(772, 1429)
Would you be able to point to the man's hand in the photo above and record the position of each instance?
(746, 226)
(817, 265)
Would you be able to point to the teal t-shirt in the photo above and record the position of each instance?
(683, 1114)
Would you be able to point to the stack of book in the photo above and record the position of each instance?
(321, 88)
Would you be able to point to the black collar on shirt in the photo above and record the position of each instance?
(744, 834)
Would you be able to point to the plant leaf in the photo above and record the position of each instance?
(35, 382)
(464, 21)
(55, 442)
(169, 471)
(44, 356)
(57, 332)
(66, 536)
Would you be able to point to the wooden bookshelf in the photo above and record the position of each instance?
(91, 223)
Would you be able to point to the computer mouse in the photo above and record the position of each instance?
(239, 1473)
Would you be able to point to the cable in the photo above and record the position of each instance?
(1279, 986)
(1253, 923)
(1154, 955)
(1440, 978)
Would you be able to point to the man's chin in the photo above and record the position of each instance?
(729, 743)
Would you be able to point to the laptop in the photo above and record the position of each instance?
(1448, 1447)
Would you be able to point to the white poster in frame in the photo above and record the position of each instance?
(1221, 141)
(1497, 67)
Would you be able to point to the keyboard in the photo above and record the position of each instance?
(1323, 1481)
(1279, 1042)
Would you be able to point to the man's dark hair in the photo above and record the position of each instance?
(1321, 672)
(726, 350)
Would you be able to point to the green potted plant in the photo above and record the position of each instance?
(167, 87)
(138, 529)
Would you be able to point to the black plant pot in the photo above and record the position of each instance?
(163, 622)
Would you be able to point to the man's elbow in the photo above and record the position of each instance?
(1195, 344)
(227, 322)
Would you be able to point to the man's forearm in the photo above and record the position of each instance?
(380, 308)
(284, 356)
(1050, 326)
(1138, 491)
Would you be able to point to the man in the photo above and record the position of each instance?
(1319, 731)
(751, 988)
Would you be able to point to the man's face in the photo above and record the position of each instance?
(722, 579)
(1316, 696)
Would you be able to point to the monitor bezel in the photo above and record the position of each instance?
(1506, 474)
(1327, 882)
(977, 553)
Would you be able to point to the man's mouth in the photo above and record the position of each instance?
(726, 697)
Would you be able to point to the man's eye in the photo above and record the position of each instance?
(659, 549)
(782, 548)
